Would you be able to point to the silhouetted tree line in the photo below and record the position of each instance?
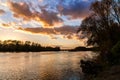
(85, 49)
(102, 28)
(27, 46)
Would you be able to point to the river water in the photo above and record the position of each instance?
(42, 65)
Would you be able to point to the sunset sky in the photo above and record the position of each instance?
(48, 22)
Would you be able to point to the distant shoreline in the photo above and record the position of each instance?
(85, 49)
(27, 46)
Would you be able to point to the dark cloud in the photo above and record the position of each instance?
(23, 10)
(75, 8)
(2, 11)
(49, 17)
(5, 25)
(67, 31)
(40, 30)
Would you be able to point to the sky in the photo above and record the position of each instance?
(48, 22)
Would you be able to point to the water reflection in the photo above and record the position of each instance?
(41, 66)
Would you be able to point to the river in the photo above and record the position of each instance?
(42, 65)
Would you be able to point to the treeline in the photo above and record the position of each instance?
(20, 46)
(85, 49)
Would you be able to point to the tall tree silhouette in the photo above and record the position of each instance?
(102, 28)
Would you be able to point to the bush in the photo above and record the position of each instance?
(90, 67)
(115, 57)
(116, 49)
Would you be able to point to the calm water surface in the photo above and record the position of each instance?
(41, 65)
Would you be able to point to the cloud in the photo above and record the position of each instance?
(49, 18)
(9, 25)
(48, 13)
(21, 10)
(57, 30)
(25, 11)
(39, 30)
(5, 25)
(2, 12)
(67, 31)
(75, 8)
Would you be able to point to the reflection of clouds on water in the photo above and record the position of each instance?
(41, 66)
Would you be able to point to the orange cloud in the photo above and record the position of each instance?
(10, 25)
(20, 10)
(23, 10)
(40, 30)
(2, 11)
(5, 25)
(68, 32)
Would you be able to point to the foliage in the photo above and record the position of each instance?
(80, 48)
(116, 48)
(90, 67)
(102, 28)
(116, 54)
(27, 46)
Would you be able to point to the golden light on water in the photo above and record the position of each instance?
(41, 65)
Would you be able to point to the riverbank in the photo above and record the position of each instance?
(111, 73)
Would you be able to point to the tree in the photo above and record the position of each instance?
(102, 27)
(27, 46)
